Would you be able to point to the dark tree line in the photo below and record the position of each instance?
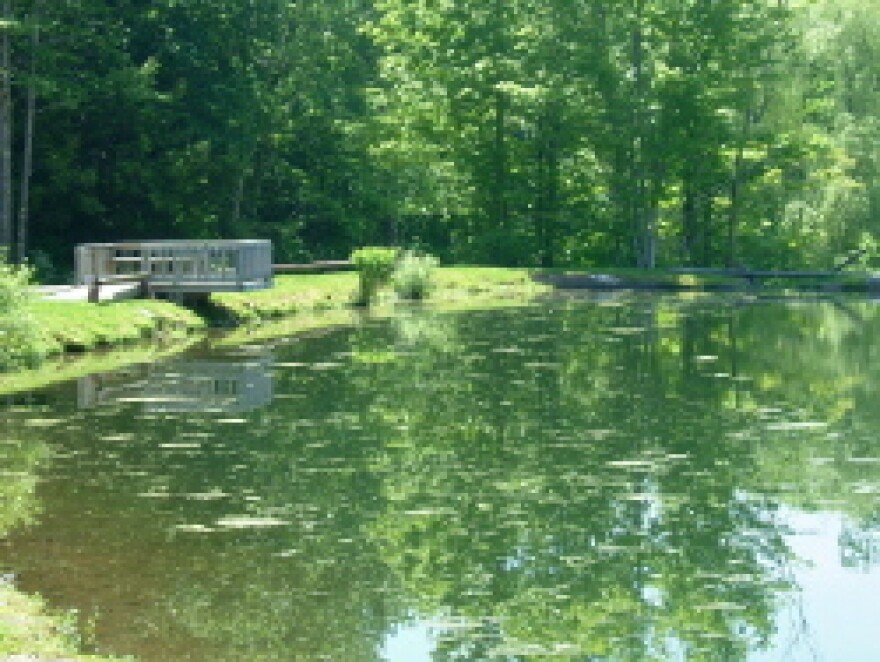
(531, 132)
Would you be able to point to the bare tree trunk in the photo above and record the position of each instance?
(6, 135)
(688, 220)
(500, 162)
(637, 141)
(642, 221)
(733, 215)
(499, 147)
(707, 211)
(735, 191)
(28, 156)
(237, 201)
(547, 199)
(552, 222)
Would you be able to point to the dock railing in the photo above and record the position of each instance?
(180, 266)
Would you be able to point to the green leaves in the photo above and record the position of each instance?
(529, 132)
(19, 335)
(375, 266)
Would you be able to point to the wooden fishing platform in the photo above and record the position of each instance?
(176, 267)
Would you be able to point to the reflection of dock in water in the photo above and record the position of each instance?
(189, 386)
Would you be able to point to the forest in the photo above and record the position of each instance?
(552, 133)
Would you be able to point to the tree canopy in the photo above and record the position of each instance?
(527, 132)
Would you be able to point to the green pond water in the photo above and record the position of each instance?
(635, 479)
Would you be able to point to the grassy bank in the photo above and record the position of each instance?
(140, 331)
(455, 287)
(310, 294)
(67, 327)
(126, 332)
(299, 303)
(31, 633)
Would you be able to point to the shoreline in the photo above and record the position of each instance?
(83, 338)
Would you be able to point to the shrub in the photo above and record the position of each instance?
(413, 277)
(374, 265)
(44, 270)
(19, 336)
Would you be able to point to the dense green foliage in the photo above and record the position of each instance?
(413, 276)
(566, 132)
(374, 265)
(19, 342)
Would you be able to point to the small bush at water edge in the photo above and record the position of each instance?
(19, 336)
(413, 277)
(374, 265)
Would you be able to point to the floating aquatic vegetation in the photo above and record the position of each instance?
(249, 522)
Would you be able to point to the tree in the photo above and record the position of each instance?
(6, 126)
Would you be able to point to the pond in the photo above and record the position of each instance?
(625, 479)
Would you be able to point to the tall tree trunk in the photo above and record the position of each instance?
(735, 190)
(733, 215)
(237, 201)
(6, 135)
(688, 219)
(499, 148)
(552, 220)
(707, 210)
(547, 199)
(500, 184)
(28, 156)
(641, 214)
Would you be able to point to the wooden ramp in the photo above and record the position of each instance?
(111, 292)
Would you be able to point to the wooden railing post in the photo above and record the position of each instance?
(94, 284)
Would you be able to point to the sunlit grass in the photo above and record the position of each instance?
(77, 326)
(290, 295)
(310, 293)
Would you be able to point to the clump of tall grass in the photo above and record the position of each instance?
(19, 336)
(374, 265)
(413, 278)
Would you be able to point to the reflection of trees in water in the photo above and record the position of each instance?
(577, 494)
(593, 481)
(696, 559)
(20, 459)
(860, 544)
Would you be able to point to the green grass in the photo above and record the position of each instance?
(460, 282)
(79, 326)
(313, 293)
(126, 332)
(290, 295)
(29, 630)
